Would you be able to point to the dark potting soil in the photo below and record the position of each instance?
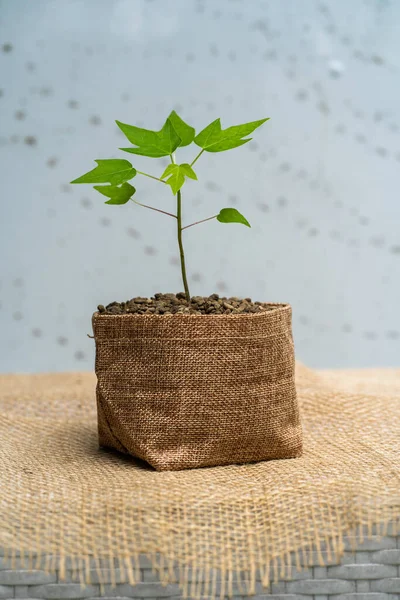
(161, 304)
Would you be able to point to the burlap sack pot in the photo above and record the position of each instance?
(182, 391)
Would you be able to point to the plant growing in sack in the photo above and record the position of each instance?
(186, 381)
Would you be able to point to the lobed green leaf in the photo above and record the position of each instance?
(183, 130)
(215, 139)
(231, 215)
(188, 171)
(154, 144)
(148, 151)
(227, 144)
(245, 129)
(177, 175)
(168, 171)
(110, 170)
(139, 136)
(117, 195)
(209, 135)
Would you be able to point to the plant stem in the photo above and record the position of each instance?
(181, 252)
(198, 156)
(151, 176)
(197, 222)
(152, 208)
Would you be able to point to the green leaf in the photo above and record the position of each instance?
(188, 171)
(117, 195)
(168, 171)
(184, 131)
(228, 144)
(215, 139)
(231, 215)
(177, 174)
(139, 136)
(111, 170)
(209, 135)
(149, 151)
(151, 143)
(245, 129)
(176, 179)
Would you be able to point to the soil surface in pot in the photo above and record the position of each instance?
(161, 304)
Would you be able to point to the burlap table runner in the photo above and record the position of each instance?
(61, 495)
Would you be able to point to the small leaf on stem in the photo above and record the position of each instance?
(111, 170)
(117, 195)
(188, 171)
(231, 215)
(177, 175)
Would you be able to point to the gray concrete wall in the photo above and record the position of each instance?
(319, 183)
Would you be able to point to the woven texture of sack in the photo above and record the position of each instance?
(182, 391)
(67, 500)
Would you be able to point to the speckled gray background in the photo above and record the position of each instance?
(319, 183)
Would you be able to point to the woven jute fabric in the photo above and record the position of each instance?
(183, 391)
(64, 498)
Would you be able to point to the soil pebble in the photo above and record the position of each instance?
(164, 304)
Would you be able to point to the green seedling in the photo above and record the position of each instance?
(175, 133)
